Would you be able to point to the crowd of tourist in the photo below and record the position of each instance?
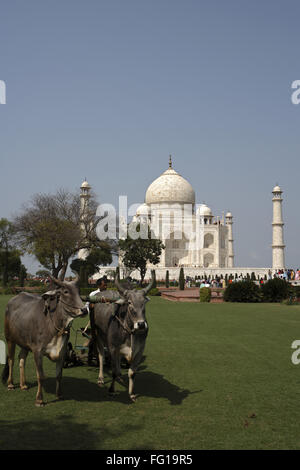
(288, 274)
(220, 282)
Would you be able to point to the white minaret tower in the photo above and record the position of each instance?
(84, 202)
(229, 223)
(84, 197)
(277, 225)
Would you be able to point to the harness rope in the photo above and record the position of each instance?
(63, 330)
(123, 325)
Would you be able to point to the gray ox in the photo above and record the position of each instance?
(124, 334)
(41, 325)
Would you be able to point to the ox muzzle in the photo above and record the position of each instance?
(140, 326)
(77, 313)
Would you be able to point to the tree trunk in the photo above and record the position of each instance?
(5, 270)
(63, 271)
(143, 270)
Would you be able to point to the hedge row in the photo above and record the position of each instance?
(274, 290)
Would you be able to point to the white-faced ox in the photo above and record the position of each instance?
(124, 334)
(41, 324)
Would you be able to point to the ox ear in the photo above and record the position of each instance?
(49, 295)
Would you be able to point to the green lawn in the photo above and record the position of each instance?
(215, 376)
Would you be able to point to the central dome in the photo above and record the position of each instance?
(170, 187)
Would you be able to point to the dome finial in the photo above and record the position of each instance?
(170, 161)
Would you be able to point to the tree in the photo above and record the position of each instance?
(154, 281)
(136, 253)
(22, 275)
(10, 265)
(43, 273)
(167, 279)
(242, 291)
(276, 290)
(90, 265)
(181, 279)
(10, 257)
(51, 227)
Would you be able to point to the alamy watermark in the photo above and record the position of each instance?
(296, 354)
(172, 222)
(2, 92)
(295, 97)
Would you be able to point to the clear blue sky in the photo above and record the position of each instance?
(108, 89)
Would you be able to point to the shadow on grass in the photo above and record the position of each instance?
(147, 384)
(59, 433)
(155, 385)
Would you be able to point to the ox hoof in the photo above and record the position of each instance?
(100, 382)
(24, 387)
(133, 398)
(10, 387)
(40, 404)
(60, 397)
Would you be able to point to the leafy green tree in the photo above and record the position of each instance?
(10, 257)
(242, 291)
(44, 273)
(181, 279)
(167, 279)
(91, 264)
(22, 275)
(276, 290)
(10, 265)
(136, 253)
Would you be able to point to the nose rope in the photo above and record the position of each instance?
(124, 326)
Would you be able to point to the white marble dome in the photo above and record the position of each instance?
(85, 184)
(143, 209)
(170, 187)
(204, 210)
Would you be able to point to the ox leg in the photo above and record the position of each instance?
(131, 376)
(136, 360)
(100, 349)
(116, 369)
(38, 358)
(11, 347)
(22, 359)
(59, 369)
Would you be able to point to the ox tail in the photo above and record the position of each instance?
(5, 372)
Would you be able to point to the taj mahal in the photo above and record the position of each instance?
(195, 238)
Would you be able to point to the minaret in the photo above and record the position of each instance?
(84, 202)
(229, 223)
(277, 225)
(84, 196)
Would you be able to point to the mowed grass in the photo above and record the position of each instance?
(215, 376)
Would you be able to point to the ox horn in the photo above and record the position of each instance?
(118, 285)
(56, 281)
(150, 285)
(76, 280)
